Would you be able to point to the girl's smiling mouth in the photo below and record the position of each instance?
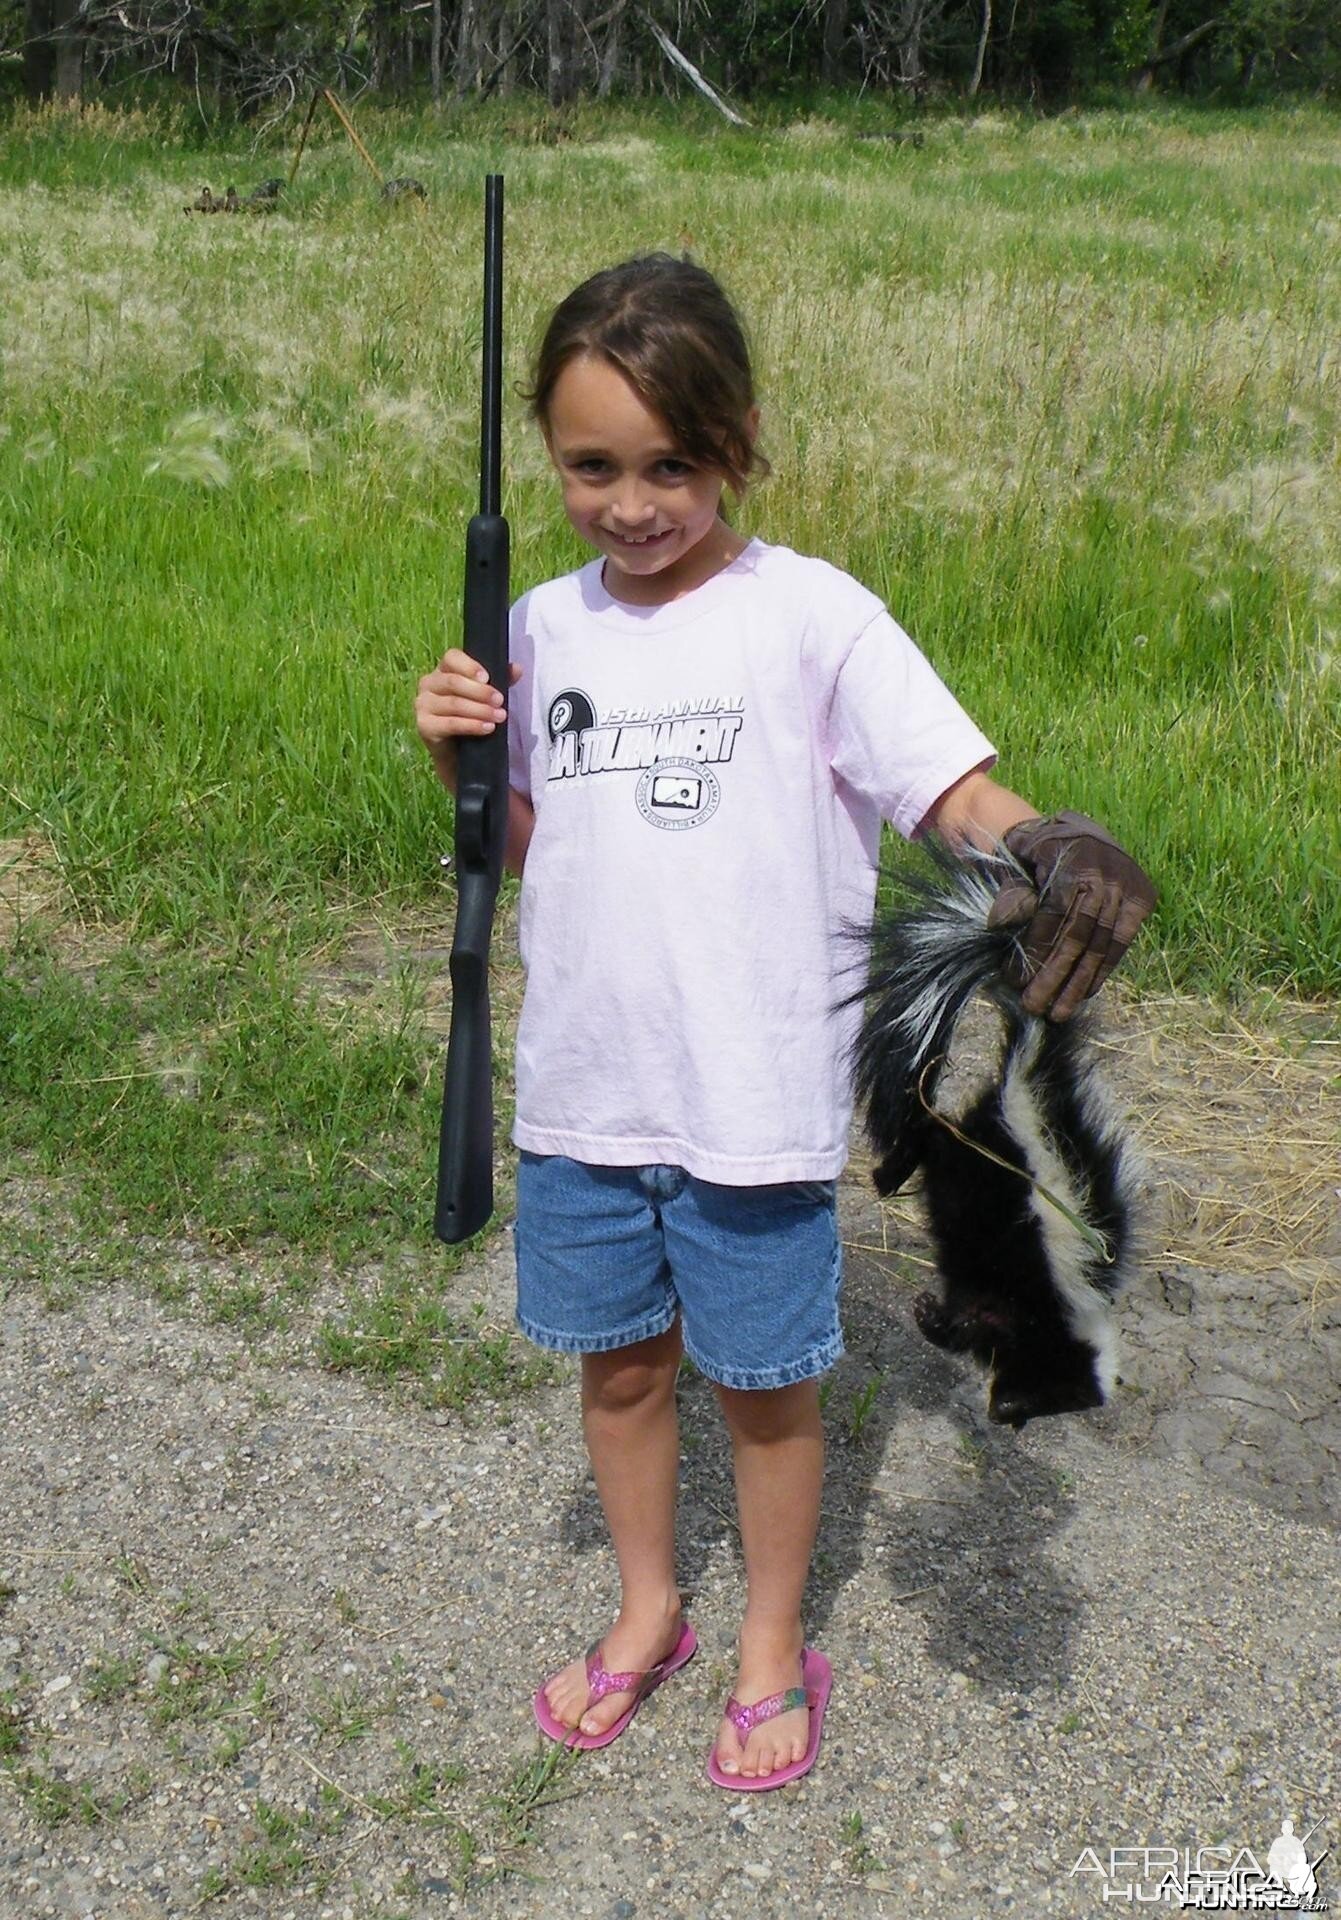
(640, 539)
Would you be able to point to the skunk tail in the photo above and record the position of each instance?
(1029, 1193)
(927, 962)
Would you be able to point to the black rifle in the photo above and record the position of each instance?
(466, 1144)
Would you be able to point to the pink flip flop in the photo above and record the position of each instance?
(602, 1682)
(817, 1675)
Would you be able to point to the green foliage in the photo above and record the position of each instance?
(1040, 385)
(162, 1086)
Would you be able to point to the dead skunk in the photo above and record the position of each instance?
(1029, 1194)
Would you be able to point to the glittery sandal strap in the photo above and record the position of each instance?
(600, 1681)
(743, 1719)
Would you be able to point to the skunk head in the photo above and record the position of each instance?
(1023, 1388)
(1035, 1365)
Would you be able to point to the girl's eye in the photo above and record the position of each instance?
(675, 469)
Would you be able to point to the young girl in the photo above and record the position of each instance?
(705, 736)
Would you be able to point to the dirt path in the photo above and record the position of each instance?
(268, 1636)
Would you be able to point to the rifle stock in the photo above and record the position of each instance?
(465, 1197)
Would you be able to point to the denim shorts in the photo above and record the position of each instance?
(610, 1255)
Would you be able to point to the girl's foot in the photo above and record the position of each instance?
(777, 1742)
(633, 1645)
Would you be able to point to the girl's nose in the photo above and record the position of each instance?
(631, 510)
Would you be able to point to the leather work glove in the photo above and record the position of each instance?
(1083, 911)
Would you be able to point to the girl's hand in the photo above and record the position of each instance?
(456, 699)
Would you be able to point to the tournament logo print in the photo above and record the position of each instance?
(670, 749)
(678, 794)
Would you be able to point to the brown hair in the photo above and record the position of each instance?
(671, 331)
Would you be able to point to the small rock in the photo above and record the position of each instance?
(1177, 1291)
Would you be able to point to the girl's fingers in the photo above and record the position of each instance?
(456, 698)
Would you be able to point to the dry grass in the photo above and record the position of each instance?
(32, 886)
(1239, 1122)
(1235, 1117)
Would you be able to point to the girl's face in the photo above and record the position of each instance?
(629, 492)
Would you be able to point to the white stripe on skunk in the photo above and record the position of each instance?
(1025, 1287)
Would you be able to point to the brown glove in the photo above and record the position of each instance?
(1087, 902)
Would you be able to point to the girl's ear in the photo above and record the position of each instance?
(752, 425)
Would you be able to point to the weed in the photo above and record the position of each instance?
(198, 1684)
(346, 1713)
(12, 1727)
(863, 1404)
(534, 1784)
(417, 1795)
(972, 1455)
(282, 1855)
(110, 1678)
(858, 1856)
(132, 1573)
(55, 1801)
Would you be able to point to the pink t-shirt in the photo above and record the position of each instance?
(708, 779)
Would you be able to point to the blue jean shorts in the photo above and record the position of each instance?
(610, 1255)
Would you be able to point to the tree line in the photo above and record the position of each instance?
(258, 56)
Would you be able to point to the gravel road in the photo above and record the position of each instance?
(268, 1634)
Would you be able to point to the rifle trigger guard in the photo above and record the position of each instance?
(472, 827)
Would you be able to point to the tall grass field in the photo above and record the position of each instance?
(1065, 393)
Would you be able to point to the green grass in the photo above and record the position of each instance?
(1064, 392)
(190, 1095)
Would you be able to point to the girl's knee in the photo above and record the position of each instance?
(632, 1376)
(771, 1413)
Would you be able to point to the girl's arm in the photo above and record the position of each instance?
(455, 700)
(977, 812)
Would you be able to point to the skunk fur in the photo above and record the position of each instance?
(1022, 1290)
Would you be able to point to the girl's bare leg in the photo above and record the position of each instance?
(778, 1444)
(632, 1434)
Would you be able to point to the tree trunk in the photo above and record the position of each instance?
(69, 51)
(1161, 57)
(558, 53)
(976, 81)
(435, 55)
(609, 67)
(39, 50)
(467, 48)
(835, 38)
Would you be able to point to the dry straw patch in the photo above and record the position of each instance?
(1236, 1123)
(32, 886)
(1240, 1124)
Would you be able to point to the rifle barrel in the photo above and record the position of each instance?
(491, 384)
